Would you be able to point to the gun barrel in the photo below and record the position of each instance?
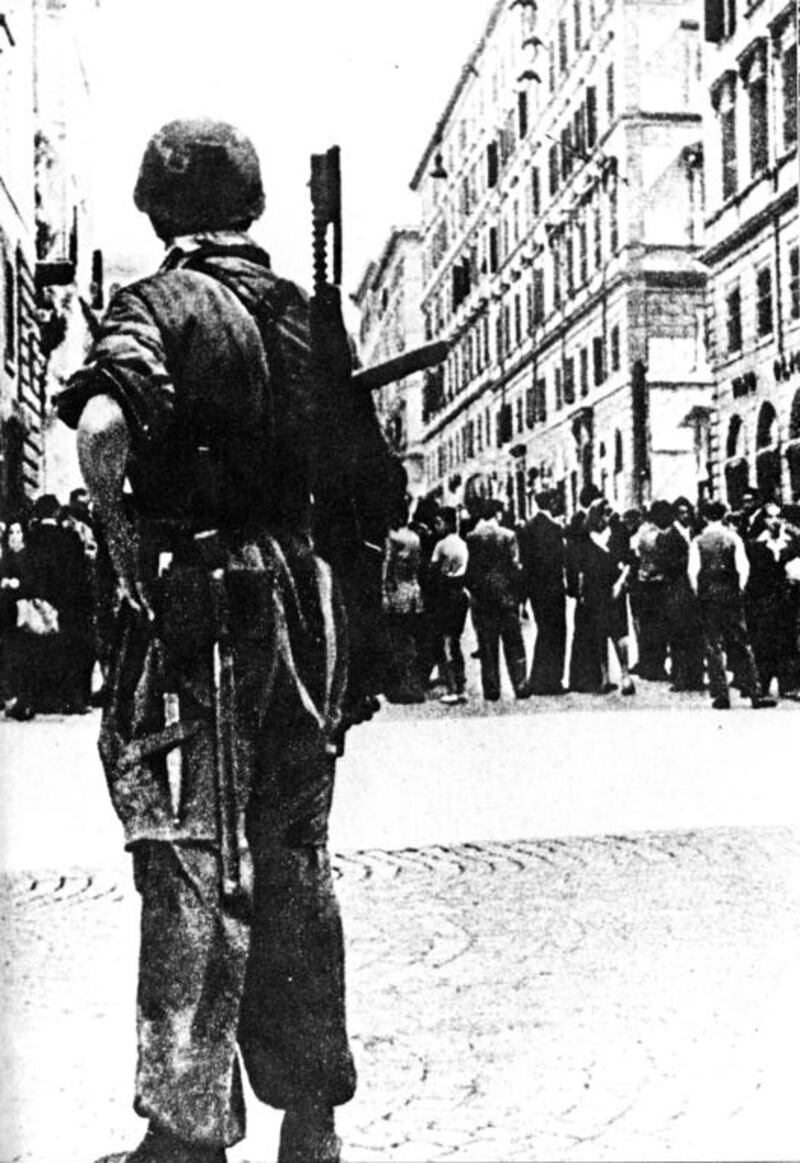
(372, 378)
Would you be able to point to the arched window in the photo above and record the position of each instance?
(794, 417)
(767, 430)
(737, 469)
(793, 447)
(768, 457)
(734, 431)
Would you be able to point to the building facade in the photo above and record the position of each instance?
(561, 198)
(391, 322)
(753, 241)
(48, 264)
(21, 367)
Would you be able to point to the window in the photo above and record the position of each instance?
(764, 301)
(538, 296)
(492, 164)
(570, 263)
(579, 132)
(10, 301)
(566, 152)
(569, 380)
(759, 118)
(615, 359)
(610, 95)
(720, 22)
(522, 113)
(541, 400)
(727, 119)
(552, 159)
(584, 370)
(598, 233)
(530, 406)
(598, 359)
(562, 46)
(583, 256)
(591, 116)
(559, 396)
(576, 23)
(733, 319)
(517, 320)
(794, 283)
(613, 216)
(493, 249)
(536, 192)
(520, 415)
(789, 85)
(556, 276)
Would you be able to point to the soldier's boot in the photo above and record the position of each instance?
(159, 1146)
(308, 1136)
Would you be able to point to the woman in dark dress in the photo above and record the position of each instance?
(601, 613)
(16, 646)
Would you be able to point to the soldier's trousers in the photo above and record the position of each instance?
(209, 982)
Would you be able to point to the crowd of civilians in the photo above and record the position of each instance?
(49, 577)
(710, 602)
(700, 603)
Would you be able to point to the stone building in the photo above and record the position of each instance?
(388, 303)
(561, 196)
(753, 245)
(48, 264)
(21, 377)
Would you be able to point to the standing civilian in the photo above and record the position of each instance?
(718, 572)
(684, 627)
(16, 661)
(542, 557)
(651, 589)
(493, 579)
(768, 601)
(402, 606)
(448, 572)
(601, 614)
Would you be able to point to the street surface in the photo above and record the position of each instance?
(573, 931)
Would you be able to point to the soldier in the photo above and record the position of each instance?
(195, 427)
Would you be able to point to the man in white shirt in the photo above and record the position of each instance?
(718, 572)
(448, 570)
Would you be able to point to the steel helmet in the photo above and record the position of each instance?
(199, 175)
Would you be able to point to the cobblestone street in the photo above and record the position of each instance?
(526, 986)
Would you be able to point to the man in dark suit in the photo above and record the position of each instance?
(542, 553)
(493, 579)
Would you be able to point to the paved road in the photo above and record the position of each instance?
(570, 937)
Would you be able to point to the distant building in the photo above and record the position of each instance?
(753, 244)
(22, 401)
(562, 226)
(388, 302)
(51, 274)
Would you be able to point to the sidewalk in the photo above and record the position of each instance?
(569, 937)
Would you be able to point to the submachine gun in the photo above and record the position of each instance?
(359, 483)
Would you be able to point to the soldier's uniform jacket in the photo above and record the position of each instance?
(203, 357)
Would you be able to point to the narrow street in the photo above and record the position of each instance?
(573, 934)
